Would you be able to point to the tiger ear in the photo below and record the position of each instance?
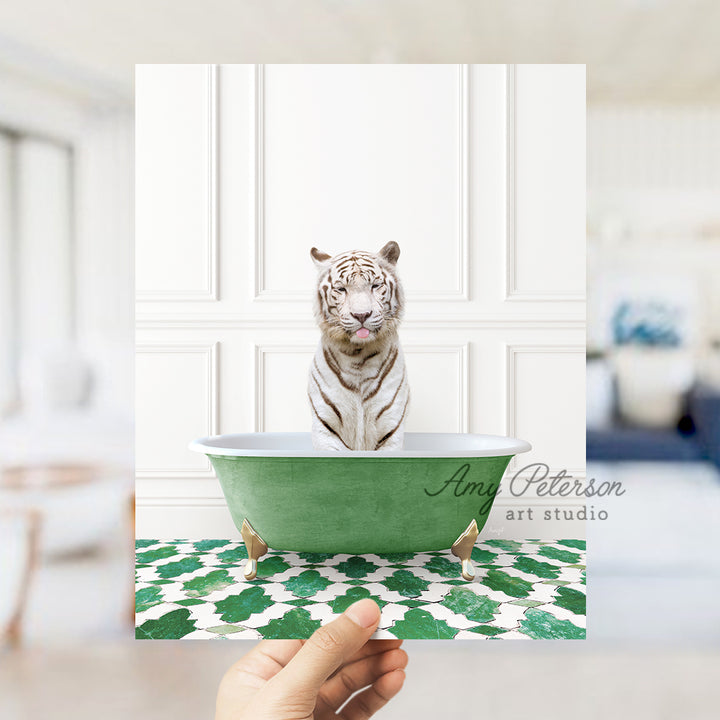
(319, 258)
(390, 252)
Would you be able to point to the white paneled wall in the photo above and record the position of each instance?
(546, 262)
(478, 172)
(175, 179)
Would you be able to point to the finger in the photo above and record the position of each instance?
(264, 661)
(374, 647)
(358, 675)
(245, 677)
(369, 701)
(279, 651)
(327, 649)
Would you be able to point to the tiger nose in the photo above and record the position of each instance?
(361, 317)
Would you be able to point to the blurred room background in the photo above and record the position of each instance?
(66, 346)
(66, 457)
(653, 364)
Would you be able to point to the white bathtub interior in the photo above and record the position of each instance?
(277, 444)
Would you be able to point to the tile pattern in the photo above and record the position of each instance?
(523, 589)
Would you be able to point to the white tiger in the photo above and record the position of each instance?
(358, 387)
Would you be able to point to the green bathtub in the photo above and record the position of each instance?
(434, 494)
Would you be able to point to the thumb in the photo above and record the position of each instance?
(327, 649)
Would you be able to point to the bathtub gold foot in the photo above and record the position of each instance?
(256, 548)
(462, 548)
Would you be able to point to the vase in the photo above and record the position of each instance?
(652, 383)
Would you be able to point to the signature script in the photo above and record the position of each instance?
(540, 480)
(465, 487)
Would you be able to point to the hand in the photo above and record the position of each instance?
(312, 679)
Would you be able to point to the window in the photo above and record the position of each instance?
(37, 265)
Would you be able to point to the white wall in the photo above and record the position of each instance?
(477, 171)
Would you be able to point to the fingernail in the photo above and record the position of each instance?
(363, 613)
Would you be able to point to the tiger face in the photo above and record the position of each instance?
(359, 297)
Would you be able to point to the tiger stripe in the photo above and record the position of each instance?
(333, 365)
(394, 397)
(326, 425)
(383, 376)
(328, 401)
(387, 436)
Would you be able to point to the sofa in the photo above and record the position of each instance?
(696, 437)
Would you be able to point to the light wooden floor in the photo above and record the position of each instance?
(170, 680)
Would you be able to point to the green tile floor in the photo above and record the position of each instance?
(523, 589)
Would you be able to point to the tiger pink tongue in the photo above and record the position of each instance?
(362, 333)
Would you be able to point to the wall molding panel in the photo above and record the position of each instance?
(259, 354)
(208, 201)
(148, 321)
(194, 501)
(461, 353)
(209, 352)
(512, 353)
(461, 241)
(258, 144)
(513, 290)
